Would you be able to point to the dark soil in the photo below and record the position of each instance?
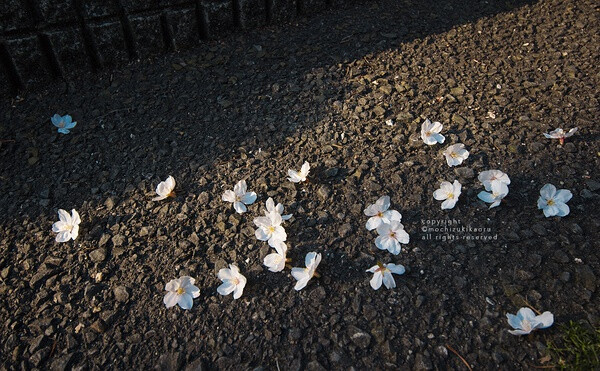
(253, 106)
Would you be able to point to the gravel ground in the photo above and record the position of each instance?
(254, 105)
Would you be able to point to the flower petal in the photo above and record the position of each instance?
(58, 226)
(448, 204)
(185, 301)
(262, 221)
(238, 291)
(56, 119)
(270, 204)
(305, 169)
(239, 207)
(563, 195)
(372, 269)
(310, 258)
(544, 320)
(226, 288)
(64, 216)
(388, 280)
(262, 234)
(170, 299)
(513, 321)
(225, 274)
(486, 197)
(170, 183)
(294, 176)
(548, 191)
(63, 236)
(372, 210)
(299, 273)
(373, 223)
(551, 210)
(383, 202)
(525, 313)
(563, 209)
(75, 231)
(376, 280)
(396, 269)
(440, 194)
(240, 187)
(75, 219)
(301, 283)
(392, 216)
(228, 196)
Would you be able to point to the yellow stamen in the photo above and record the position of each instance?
(453, 154)
(450, 195)
(180, 291)
(550, 202)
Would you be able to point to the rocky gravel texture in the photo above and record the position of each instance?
(496, 74)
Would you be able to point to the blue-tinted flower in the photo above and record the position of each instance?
(553, 202)
(63, 123)
(526, 321)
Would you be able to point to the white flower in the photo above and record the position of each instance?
(67, 227)
(389, 122)
(270, 204)
(560, 134)
(299, 176)
(165, 189)
(303, 275)
(456, 154)
(379, 213)
(430, 132)
(448, 192)
(233, 281)
(526, 321)
(553, 202)
(181, 291)
(499, 190)
(391, 236)
(270, 229)
(239, 197)
(383, 273)
(488, 176)
(276, 261)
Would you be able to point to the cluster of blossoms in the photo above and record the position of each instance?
(495, 182)
(391, 236)
(269, 229)
(386, 222)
